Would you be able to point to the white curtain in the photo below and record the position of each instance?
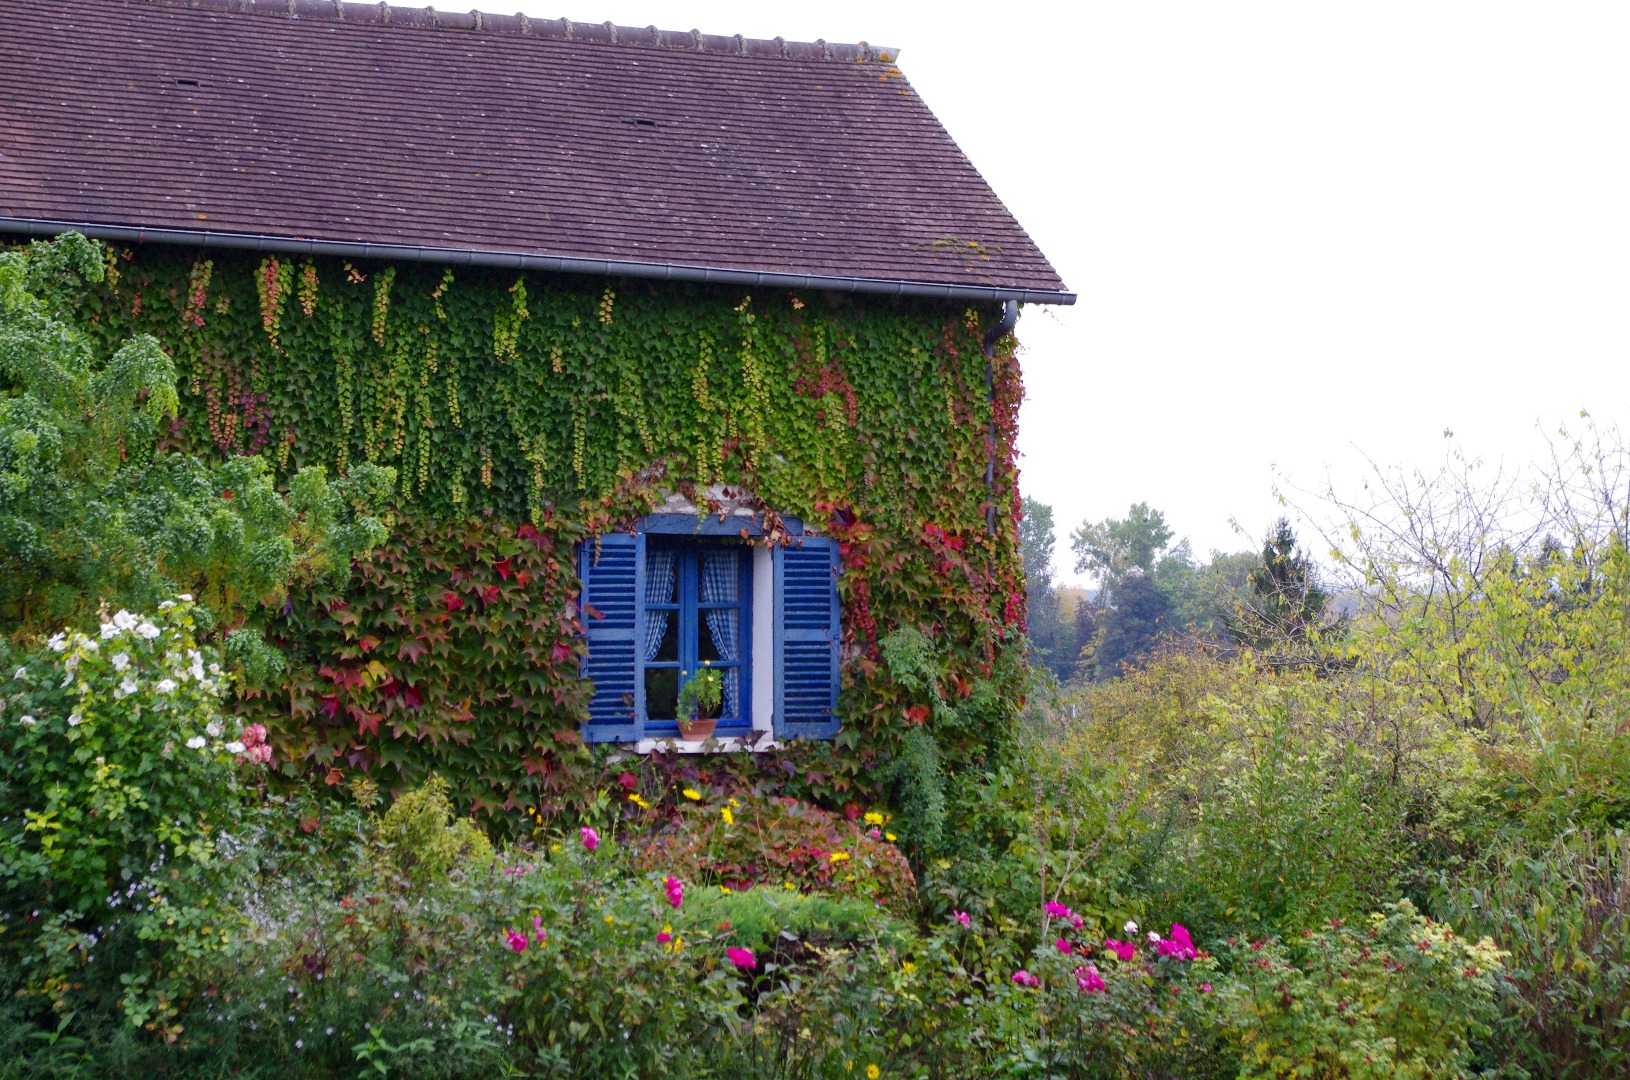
(720, 584)
(659, 589)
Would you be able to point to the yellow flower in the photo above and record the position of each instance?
(874, 818)
(908, 967)
(889, 837)
(638, 801)
(729, 818)
(608, 920)
(789, 886)
(873, 1072)
(733, 802)
(554, 847)
(838, 856)
(724, 888)
(692, 794)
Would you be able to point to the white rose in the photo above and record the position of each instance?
(58, 642)
(28, 720)
(195, 743)
(148, 631)
(128, 686)
(185, 597)
(213, 728)
(124, 620)
(166, 605)
(215, 669)
(90, 645)
(1130, 927)
(21, 672)
(234, 747)
(1154, 938)
(109, 630)
(120, 661)
(165, 686)
(74, 718)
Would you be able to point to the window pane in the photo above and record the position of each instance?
(720, 576)
(662, 637)
(660, 579)
(661, 693)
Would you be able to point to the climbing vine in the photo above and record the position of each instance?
(525, 412)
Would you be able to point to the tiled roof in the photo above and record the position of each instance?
(316, 125)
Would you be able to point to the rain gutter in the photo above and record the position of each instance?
(1003, 327)
(518, 261)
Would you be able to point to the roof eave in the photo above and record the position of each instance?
(520, 261)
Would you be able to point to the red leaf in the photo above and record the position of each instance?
(523, 578)
(452, 601)
(627, 780)
(413, 697)
(502, 566)
(917, 714)
(411, 650)
(368, 643)
(489, 594)
(331, 706)
(368, 724)
(562, 652)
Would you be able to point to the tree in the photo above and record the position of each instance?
(96, 509)
(1112, 550)
(1051, 644)
(1285, 606)
(1133, 626)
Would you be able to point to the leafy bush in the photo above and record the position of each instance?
(1563, 913)
(425, 840)
(121, 779)
(775, 840)
(1395, 996)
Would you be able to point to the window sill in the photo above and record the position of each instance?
(729, 744)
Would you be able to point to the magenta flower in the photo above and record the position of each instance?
(1062, 946)
(1205, 988)
(664, 937)
(675, 890)
(1087, 979)
(517, 941)
(742, 958)
(1024, 978)
(1178, 944)
(876, 833)
(591, 839)
(1123, 949)
(538, 930)
(1058, 911)
(1076, 921)
(962, 917)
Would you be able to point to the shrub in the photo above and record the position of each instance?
(121, 778)
(1563, 912)
(1396, 995)
(775, 840)
(425, 840)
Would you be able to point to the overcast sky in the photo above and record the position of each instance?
(1302, 232)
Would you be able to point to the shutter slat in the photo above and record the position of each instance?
(807, 633)
(611, 570)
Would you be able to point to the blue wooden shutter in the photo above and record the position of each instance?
(806, 639)
(612, 569)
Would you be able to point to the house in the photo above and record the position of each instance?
(726, 319)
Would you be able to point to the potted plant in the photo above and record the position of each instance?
(699, 702)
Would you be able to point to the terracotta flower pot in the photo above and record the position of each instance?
(697, 729)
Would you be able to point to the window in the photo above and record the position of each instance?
(669, 598)
(698, 611)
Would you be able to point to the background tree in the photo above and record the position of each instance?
(1113, 549)
(1130, 628)
(1285, 606)
(1051, 638)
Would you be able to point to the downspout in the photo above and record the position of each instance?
(1003, 327)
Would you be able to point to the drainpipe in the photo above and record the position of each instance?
(1003, 327)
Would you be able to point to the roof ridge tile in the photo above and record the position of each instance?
(383, 13)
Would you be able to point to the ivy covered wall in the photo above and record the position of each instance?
(525, 412)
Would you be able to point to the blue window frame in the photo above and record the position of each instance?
(659, 601)
(697, 611)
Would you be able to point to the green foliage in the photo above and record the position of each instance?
(701, 695)
(1112, 550)
(1563, 912)
(1395, 995)
(1286, 610)
(120, 781)
(1139, 618)
(776, 842)
(425, 839)
(558, 404)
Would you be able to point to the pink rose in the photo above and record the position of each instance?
(591, 839)
(742, 958)
(517, 941)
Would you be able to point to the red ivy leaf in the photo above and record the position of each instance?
(452, 601)
(331, 706)
(562, 652)
(502, 566)
(489, 594)
(368, 643)
(368, 724)
(410, 650)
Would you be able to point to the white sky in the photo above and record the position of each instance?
(1300, 230)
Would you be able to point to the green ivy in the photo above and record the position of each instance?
(523, 412)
